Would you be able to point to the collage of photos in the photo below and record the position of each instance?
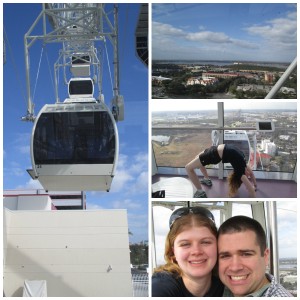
(224, 129)
(135, 137)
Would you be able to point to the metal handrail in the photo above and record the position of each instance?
(282, 79)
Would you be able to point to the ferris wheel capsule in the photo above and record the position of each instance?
(74, 147)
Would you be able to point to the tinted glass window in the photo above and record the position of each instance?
(74, 138)
(81, 59)
(81, 87)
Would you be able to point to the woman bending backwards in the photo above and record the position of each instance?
(227, 154)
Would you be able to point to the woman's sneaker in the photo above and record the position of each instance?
(200, 194)
(206, 181)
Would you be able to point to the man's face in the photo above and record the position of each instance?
(241, 266)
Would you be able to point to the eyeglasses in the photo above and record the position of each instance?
(183, 211)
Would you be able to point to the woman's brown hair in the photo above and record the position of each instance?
(234, 183)
(183, 223)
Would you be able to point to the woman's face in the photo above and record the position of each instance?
(195, 250)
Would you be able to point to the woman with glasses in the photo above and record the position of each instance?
(191, 257)
(227, 154)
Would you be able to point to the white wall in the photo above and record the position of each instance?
(10, 202)
(27, 202)
(71, 250)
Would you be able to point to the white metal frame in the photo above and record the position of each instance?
(78, 27)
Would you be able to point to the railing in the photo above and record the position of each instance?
(282, 79)
(140, 283)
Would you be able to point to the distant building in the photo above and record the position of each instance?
(290, 278)
(284, 137)
(226, 75)
(193, 81)
(157, 80)
(287, 90)
(253, 87)
(42, 200)
(269, 77)
(264, 158)
(270, 149)
(198, 80)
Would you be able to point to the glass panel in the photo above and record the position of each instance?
(81, 87)
(269, 151)
(242, 209)
(287, 240)
(265, 151)
(176, 147)
(81, 59)
(74, 138)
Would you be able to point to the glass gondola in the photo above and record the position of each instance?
(74, 146)
(240, 139)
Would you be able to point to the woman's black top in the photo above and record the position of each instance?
(236, 158)
(166, 284)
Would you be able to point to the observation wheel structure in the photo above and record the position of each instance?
(74, 143)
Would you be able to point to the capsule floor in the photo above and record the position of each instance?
(219, 188)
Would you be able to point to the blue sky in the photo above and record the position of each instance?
(129, 189)
(236, 31)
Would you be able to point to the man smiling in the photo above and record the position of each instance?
(243, 259)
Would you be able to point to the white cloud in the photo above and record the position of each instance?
(166, 37)
(22, 144)
(14, 169)
(121, 180)
(278, 34)
(281, 32)
(140, 163)
(219, 38)
(31, 185)
(161, 29)
(126, 203)
(24, 150)
(209, 36)
(131, 174)
(287, 228)
(93, 206)
(244, 44)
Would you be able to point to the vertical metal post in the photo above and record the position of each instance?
(221, 135)
(153, 252)
(254, 146)
(116, 52)
(29, 102)
(273, 238)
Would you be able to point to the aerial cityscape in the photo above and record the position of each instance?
(220, 80)
(275, 151)
(223, 50)
(288, 274)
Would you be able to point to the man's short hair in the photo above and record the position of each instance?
(243, 223)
